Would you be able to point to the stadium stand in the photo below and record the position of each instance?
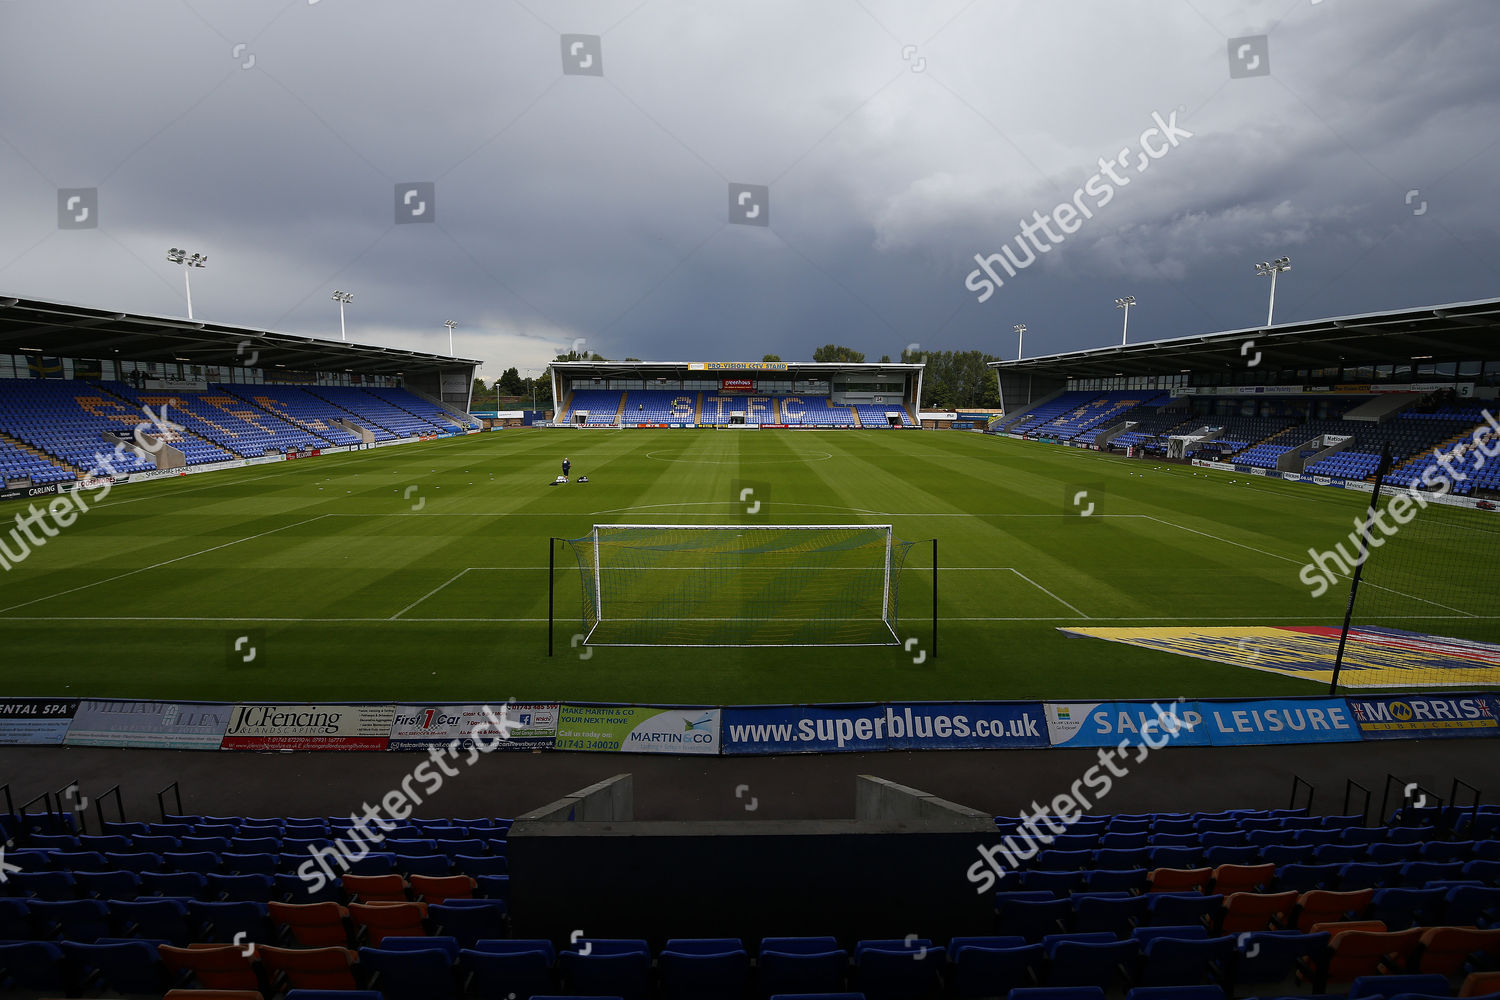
(228, 421)
(816, 410)
(603, 407)
(874, 414)
(423, 409)
(18, 462)
(660, 406)
(607, 408)
(66, 424)
(389, 409)
(1119, 902)
(301, 408)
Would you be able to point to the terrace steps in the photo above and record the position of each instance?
(39, 453)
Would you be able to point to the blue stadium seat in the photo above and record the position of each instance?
(1172, 961)
(1175, 993)
(1116, 880)
(516, 973)
(992, 967)
(1058, 993)
(222, 921)
(153, 919)
(1177, 908)
(896, 973)
(108, 884)
(621, 973)
(1030, 918)
(1088, 963)
(469, 923)
(1370, 987)
(84, 920)
(1116, 915)
(39, 966)
(423, 974)
(58, 885)
(182, 885)
(688, 973)
(129, 967)
(1274, 956)
(801, 965)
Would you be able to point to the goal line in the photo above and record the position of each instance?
(740, 585)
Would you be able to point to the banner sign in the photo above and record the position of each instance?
(638, 729)
(420, 727)
(27, 492)
(737, 366)
(35, 721)
(818, 729)
(736, 385)
(309, 727)
(170, 725)
(1110, 723)
(1423, 716)
(1287, 720)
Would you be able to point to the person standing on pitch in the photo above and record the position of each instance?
(566, 466)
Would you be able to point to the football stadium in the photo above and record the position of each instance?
(338, 665)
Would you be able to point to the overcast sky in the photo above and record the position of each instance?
(896, 139)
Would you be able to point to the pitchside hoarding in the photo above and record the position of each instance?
(35, 721)
(1421, 716)
(418, 727)
(309, 727)
(1287, 720)
(638, 729)
(169, 725)
(818, 729)
(1109, 723)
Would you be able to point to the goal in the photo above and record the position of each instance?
(740, 584)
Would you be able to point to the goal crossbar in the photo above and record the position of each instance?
(739, 584)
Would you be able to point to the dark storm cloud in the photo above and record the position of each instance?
(897, 139)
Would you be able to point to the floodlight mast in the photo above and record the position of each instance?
(450, 324)
(1020, 329)
(1125, 304)
(341, 298)
(1273, 268)
(188, 262)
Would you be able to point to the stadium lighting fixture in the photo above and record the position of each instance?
(188, 262)
(341, 298)
(1125, 304)
(1273, 268)
(450, 324)
(1020, 329)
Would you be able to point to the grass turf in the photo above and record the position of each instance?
(346, 592)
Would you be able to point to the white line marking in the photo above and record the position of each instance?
(434, 590)
(1273, 555)
(165, 562)
(1044, 590)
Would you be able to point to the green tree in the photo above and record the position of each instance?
(511, 382)
(956, 378)
(771, 357)
(885, 359)
(479, 388)
(837, 352)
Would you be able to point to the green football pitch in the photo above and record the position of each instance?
(420, 572)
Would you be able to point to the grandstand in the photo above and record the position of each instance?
(732, 394)
(205, 408)
(1323, 403)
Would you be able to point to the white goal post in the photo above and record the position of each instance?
(740, 584)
